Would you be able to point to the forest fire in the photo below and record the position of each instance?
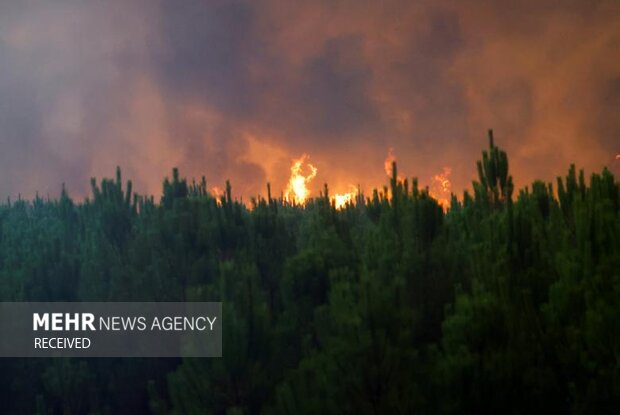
(341, 200)
(443, 180)
(442, 187)
(298, 192)
(217, 193)
(389, 160)
(297, 189)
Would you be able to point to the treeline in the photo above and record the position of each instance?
(506, 303)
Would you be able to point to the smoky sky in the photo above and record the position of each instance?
(237, 89)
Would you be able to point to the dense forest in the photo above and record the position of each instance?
(507, 302)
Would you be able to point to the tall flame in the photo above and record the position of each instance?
(297, 189)
(442, 187)
(389, 160)
(303, 172)
(217, 194)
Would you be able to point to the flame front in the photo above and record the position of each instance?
(341, 200)
(303, 172)
(297, 190)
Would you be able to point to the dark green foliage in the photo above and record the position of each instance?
(503, 304)
(495, 186)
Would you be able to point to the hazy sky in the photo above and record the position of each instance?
(237, 89)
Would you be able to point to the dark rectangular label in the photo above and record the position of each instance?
(111, 329)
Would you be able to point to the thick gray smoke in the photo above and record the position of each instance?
(237, 89)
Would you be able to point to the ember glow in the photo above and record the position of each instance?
(441, 188)
(297, 190)
(443, 180)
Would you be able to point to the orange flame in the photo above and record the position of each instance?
(217, 194)
(387, 164)
(442, 187)
(617, 156)
(442, 179)
(341, 200)
(297, 189)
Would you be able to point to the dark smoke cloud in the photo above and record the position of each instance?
(237, 89)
